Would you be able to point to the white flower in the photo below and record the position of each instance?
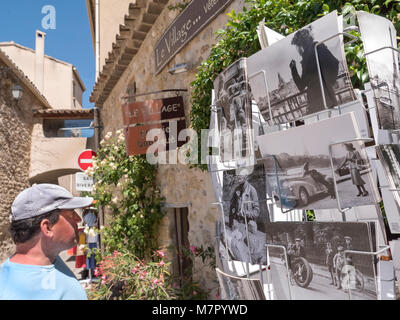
(118, 132)
(121, 137)
(86, 231)
(115, 200)
(92, 232)
(108, 135)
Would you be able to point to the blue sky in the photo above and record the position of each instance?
(70, 41)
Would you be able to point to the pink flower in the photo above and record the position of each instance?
(115, 253)
(155, 281)
(103, 282)
(162, 263)
(194, 293)
(160, 253)
(97, 272)
(135, 270)
(174, 285)
(104, 277)
(193, 249)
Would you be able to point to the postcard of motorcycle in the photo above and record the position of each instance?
(311, 261)
(245, 213)
(303, 163)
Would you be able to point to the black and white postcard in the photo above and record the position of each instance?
(233, 101)
(284, 77)
(236, 288)
(378, 35)
(319, 267)
(389, 156)
(245, 213)
(301, 174)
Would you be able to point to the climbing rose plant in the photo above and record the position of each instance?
(125, 186)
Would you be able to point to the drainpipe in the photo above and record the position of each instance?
(96, 119)
(97, 32)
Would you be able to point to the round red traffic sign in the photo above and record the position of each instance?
(85, 160)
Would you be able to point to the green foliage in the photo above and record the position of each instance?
(239, 39)
(180, 6)
(126, 187)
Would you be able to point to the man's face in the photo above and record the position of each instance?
(66, 229)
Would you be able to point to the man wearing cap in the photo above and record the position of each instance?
(43, 224)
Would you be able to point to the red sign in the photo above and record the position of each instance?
(85, 160)
(136, 136)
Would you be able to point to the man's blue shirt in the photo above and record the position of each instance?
(30, 282)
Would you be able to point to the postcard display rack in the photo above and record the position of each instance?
(391, 136)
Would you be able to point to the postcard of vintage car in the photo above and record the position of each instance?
(285, 79)
(233, 102)
(245, 213)
(323, 260)
(380, 46)
(303, 170)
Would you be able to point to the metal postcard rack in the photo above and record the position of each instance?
(279, 127)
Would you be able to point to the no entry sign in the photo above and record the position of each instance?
(85, 159)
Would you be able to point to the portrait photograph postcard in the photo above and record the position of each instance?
(233, 102)
(284, 77)
(245, 213)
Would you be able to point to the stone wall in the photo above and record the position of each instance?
(15, 144)
(179, 184)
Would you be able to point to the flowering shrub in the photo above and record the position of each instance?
(125, 185)
(123, 276)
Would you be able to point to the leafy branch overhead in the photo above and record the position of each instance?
(239, 39)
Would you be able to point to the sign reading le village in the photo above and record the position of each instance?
(189, 23)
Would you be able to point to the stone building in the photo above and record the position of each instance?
(34, 148)
(125, 35)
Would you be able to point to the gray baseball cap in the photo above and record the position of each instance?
(42, 198)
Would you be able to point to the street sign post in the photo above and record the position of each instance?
(83, 182)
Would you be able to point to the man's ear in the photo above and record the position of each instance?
(46, 228)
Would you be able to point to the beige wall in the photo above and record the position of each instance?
(53, 157)
(58, 75)
(178, 183)
(112, 13)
